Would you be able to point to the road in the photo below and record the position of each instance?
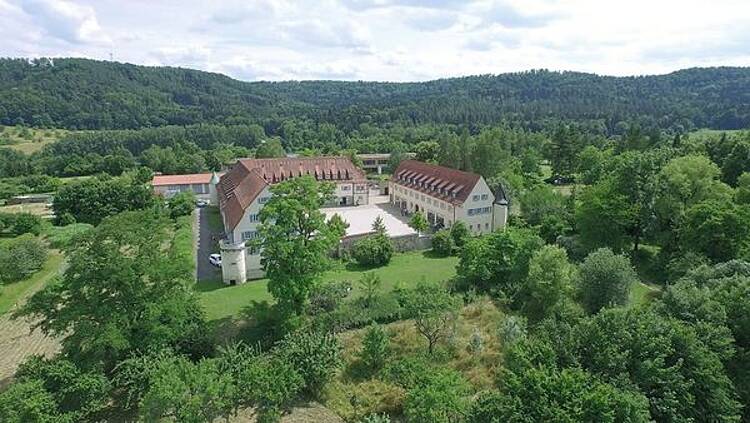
(206, 272)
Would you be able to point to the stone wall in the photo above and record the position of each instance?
(401, 243)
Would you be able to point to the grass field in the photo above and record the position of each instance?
(220, 301)
(28, 140)
(12, 293)
(39, 209)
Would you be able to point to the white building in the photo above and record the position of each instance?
(203, 185)
(446, 195)
(244, 189)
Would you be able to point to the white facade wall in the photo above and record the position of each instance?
(247, 229)
(201, 191)
(480, 202)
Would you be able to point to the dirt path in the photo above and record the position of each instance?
(17, 341)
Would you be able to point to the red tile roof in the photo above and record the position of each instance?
(239, 187)
(436, 181)
(195, 178)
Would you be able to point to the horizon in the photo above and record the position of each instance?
(384, 40)
(497, 74)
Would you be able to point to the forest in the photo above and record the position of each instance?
(618, 292)
(87, 94)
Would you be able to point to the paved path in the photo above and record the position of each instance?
(206, 272)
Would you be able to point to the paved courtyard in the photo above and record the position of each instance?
(360, 218)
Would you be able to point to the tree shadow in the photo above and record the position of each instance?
(432, 254)
(208, 286)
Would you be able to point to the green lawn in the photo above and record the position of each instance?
(12, 293)
(641, 293)
(405, 270)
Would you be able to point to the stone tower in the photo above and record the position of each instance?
(233, 267)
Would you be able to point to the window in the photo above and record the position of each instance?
(485, 196)
(475, 198)
(254, 218)
(345, 187)
(248, 235)
(485, 210)
(479, 226)
(487, 226)
(471, 212)
(263, 200)
(200, 188)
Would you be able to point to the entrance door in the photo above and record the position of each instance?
(343, 201)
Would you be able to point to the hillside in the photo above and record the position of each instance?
(87, 94)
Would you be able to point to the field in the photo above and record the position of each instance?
(221, 301)
(12, 293)
(28, 140)
(39, 209)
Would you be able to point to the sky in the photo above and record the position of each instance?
(384, 40)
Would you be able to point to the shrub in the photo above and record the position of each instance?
(375, 418)
(375, 250)
(20, 257)
(408, 372)
(316, 356)
(359, 313)
(460, 234)
(61, 237)
(442, 243)
(181, 204)
(375, 347)
(326, 297)
(606, 279)
(20, 223)
(441, 399)
(370, 283)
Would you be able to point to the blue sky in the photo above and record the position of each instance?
(410, 40)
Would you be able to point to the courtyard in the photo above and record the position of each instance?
(360, 218)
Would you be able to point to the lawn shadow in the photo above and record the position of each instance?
(208, 286)
(357, 371)
(432, 254)
(353, 266)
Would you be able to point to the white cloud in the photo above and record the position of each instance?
(400, 40)
(66, 20)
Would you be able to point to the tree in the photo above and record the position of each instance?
(498, 262)
(460, 233)
(54, 390)
(181, 204)
(541, 201)
(433, 309)
(742, 193)
(736, 162)
(440, 400)
(592, 164)
(338, 224)
(568, 395)
(296, 240)
(270, 148)
(122, 291)
(419, 223)
(20, 257)
(375, 347)
(427, 151)
(374, 250)
(549, 282)
(370, 283)
(663, 358)
(442, 243)
(187, 392)
(620, 206)
(683, 182)
(720, 230)
(91, 200)
(378, 226)
(606, 280)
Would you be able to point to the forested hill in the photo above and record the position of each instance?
(87, 94)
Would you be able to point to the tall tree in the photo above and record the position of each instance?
(296, 240)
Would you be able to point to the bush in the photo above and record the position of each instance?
(316, 356)
(408, 372)
(375, 250)
(441, 399)
(20, 223)
(359, 313)
(61, 237)
(442, 243)
(375, 347)
(606, 279)
(325, 298)
(20, 257)
(181, 204)
(460, 234)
